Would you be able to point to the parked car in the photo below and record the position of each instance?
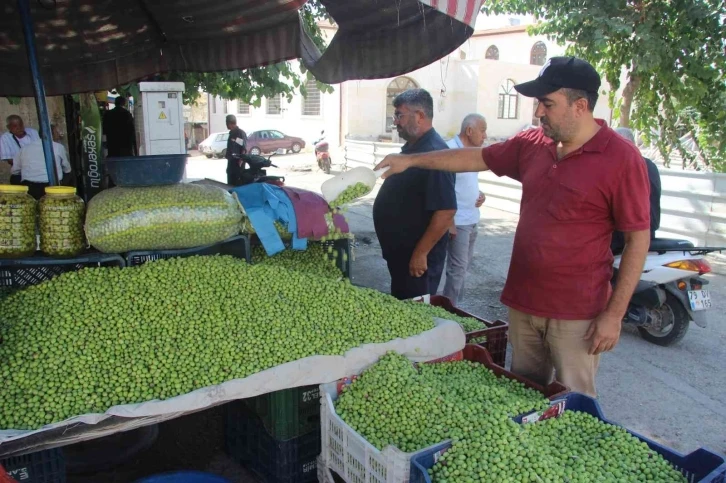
(215, 145)
(269, 141)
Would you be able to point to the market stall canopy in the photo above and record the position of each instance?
(91, 45)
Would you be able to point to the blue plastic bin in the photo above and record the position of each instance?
(160, 169)
(700, 466)
(184, 477)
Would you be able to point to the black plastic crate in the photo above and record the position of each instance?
(343, 252)
(236, 246)
(273, 461)
(46, 466)
(24, 272)
(285, 414)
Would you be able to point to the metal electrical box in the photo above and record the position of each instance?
(162, 119)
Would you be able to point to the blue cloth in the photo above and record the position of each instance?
(264, 204)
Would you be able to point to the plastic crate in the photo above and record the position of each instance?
(47, 466)
(343, 252)
(700, 466)
(285, 414)
(497, 332)
(152, 170)
(349, 454)
(24, 272)
(352, 457)
(292, 461)
(237, 246)
(476, 353)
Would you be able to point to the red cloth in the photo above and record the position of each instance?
(561, 261)
(310, 209)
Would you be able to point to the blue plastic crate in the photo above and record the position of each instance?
(184, 477)
(154, 170)
(700, 466)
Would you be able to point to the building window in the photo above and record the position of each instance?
(311, 101)
(396, 87)
(539, 54)
(274, 106)
(243, 107)
(508, 101)
(492, 53)
(224, 105)
(535, 119)
(214, 105)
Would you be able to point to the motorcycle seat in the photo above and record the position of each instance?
(659, 244)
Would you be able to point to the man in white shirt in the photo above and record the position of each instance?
(10, 144)
(29, 163)
(468, 200)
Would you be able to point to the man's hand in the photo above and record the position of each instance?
(603, 333)
(418, 264)
(398, 163)
(452, 232)
(480, 201)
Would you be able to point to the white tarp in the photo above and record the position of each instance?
(445, 339)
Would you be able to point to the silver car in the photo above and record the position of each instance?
(215, 145)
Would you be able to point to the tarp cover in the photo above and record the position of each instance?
(445, 339)
(91, 45)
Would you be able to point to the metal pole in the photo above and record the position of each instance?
(39, 88)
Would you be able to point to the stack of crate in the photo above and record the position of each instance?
(276, 435)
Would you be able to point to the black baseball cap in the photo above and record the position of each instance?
(562, 72)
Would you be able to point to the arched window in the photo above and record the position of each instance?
(397, 86)
(492, 53)
(508, 100)
(539, 54)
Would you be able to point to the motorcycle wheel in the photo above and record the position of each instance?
(672, 321)
(328, 162)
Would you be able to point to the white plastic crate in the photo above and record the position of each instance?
(356, 460)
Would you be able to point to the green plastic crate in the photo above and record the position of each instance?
(289, 413)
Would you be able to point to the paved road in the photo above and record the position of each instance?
(675, 395)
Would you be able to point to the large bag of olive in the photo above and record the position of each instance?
(161, 218)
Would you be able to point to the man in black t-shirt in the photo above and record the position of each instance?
(118, 126)
(618, 241)
(414, 209)
(236, 145)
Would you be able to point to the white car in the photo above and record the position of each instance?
(215, 145)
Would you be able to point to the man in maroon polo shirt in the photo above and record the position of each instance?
(580, 182)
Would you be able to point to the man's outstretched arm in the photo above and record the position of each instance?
(452, 160)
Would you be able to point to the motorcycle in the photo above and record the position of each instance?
(670, 293)
(256, 173)
(322, 154)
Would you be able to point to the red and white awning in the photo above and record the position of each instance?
(465, 11)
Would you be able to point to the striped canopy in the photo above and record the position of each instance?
(91, 45)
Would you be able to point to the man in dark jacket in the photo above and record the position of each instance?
(414, 210)
(618, 242)
(236, 146)
(118, 126)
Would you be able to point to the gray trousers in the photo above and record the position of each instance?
(458, 261)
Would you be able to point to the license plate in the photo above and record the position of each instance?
(700, 299)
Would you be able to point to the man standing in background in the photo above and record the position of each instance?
(414, 210)
(236, 147)
(118, 127)
(462, 235)
(11, 142)
(29, 165)
(618, 242)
